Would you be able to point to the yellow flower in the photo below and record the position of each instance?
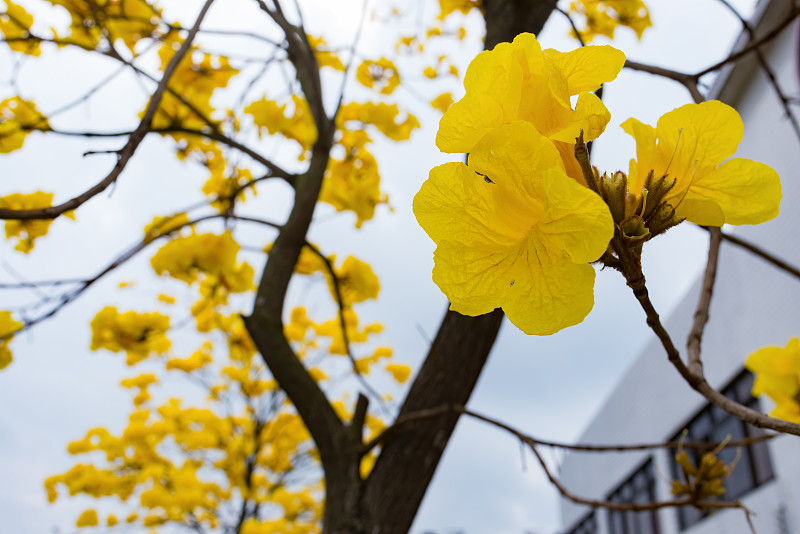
(357, 282)
(446, 7)
(87, 519)
(7, 328)
(325, 57)
(689, 145)
(520, 81)
(137, 334)
(26, 231)
(298, 124)
(442, 102)
(777, 371)
(513, 231)
(603, 16)
(381, 75)
(15, 23)
(18, 118)
(400, 372)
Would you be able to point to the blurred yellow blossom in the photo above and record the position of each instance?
(26, 231)
(381, 75)
(602, 17)
(15, 25)
(87, 519)
(400, 372)
(7, 328)
(136, 334)
(18, 118)
(777, 371)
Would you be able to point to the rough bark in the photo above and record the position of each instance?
(507, 18)
(411, 453)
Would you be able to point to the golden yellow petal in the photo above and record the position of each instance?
(466, 122)
(747, 192)
(588, 67)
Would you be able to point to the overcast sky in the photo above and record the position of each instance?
(547, 386)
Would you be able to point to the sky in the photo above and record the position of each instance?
(549, 387)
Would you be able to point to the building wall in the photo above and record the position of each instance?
(754, 305)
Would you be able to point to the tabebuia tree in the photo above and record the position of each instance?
(286, 427)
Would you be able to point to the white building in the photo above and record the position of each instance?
(754, 305)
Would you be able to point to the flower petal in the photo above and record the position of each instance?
(699, 135)
(746, 191)
(647, 156)
(576, 221)
(590, 115)
(462, 127)
(549, 293)
(474, 278)
(587, 67)
(515, 155)
(456, 204)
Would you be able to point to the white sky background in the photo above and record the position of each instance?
(550, 387)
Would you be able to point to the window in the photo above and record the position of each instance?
(638, 489)
(587, 525)
(713, 424)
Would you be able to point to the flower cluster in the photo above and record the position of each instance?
(26, 231)
(136, 334)
(512, 229)
(602, 17)
(18, 118)
(517, 226)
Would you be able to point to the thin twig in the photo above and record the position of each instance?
(761, 253)
(342, 306)
(770, 74)
(695, 338)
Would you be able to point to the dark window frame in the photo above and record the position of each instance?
(586, 525)
(639, 487)
(711, 423)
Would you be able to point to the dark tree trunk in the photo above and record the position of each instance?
(507, 18)
(387, 502)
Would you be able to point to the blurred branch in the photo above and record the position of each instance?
(214, 135)
(691, 81)
(337, 291)
(762, 61)
(673, 445)
(761, 253)
(85, 284)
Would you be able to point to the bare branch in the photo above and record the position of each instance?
(701, 314)
(761, 253)
(688, 80)
(762, 61)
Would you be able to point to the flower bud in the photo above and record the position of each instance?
(657, 189)
(662, 219)
(614, 190)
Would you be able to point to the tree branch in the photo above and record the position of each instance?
(125, 153)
